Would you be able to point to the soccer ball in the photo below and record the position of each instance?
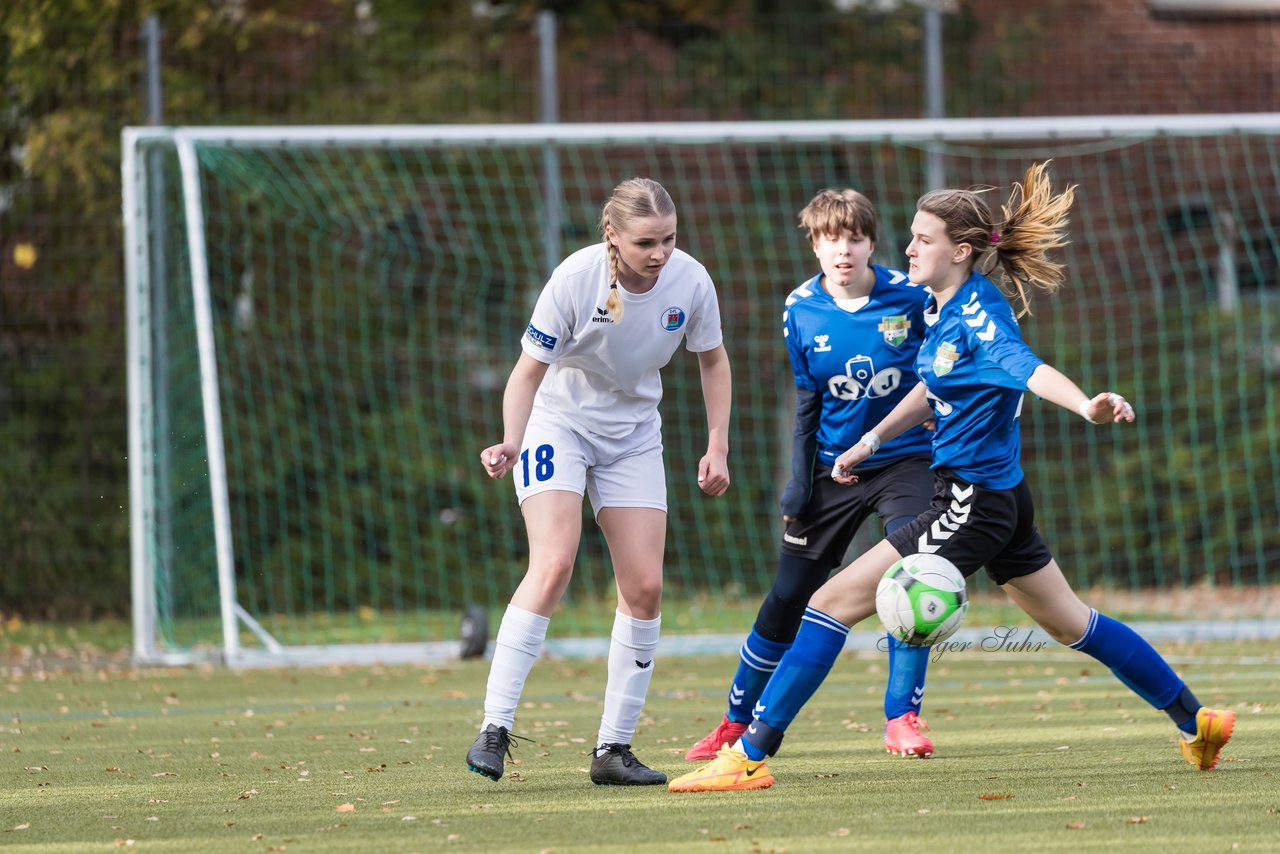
(921, 599)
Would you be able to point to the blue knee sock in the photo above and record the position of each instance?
(1139, 666)
(905, 689)
(799, 674)
(757, 660)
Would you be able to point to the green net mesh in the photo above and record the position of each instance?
(368, 301)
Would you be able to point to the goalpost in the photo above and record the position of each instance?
(321, 320)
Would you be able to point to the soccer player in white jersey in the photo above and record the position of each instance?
(851, 332)
(974, 368)
(580, 415)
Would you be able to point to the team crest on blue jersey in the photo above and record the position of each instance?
(672, 318)
(945, 359)
(894, 328)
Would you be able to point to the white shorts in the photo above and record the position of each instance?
(626, 472)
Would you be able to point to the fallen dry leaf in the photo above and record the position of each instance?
(1075, 825)
(1137, 819)
(346, 808)
(996, 796)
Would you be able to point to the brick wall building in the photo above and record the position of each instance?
(1083, 57)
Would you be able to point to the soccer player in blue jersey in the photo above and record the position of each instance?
(851, 332)
(974, 369)
(580, 416)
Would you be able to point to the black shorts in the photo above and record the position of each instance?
(975, 527)
(828, 523)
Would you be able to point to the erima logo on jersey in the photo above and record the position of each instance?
(821, 341)
(672, 318)
(796, 541)
(602, 316)
(542, 339)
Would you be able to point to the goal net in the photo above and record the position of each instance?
(321, 321)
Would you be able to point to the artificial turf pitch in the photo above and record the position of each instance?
(1036, 751)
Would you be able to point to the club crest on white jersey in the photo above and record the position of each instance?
(672, 318)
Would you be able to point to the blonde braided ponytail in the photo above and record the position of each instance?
(614, 303)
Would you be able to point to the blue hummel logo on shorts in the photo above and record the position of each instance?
(542, 339)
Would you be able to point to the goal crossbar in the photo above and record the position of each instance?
(951, 130)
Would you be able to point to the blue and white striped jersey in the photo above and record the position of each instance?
(975, 366)
(861, 362)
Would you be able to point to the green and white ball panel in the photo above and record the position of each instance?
(922, 599)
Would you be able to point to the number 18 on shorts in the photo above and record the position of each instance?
(612, 472)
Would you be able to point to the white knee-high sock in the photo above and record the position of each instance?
(630, 670)
(519, 642)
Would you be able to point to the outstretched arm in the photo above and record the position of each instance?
(717, 396)
(911, 411)
(517, 403)
(1049, 383)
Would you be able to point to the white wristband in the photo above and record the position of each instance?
(871, 440)
(1083, 409)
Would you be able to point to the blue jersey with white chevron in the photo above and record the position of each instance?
(861, 362)
(975, 366)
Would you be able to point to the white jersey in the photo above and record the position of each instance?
(604, 377)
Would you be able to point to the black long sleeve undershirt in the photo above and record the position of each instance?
(804, 448)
